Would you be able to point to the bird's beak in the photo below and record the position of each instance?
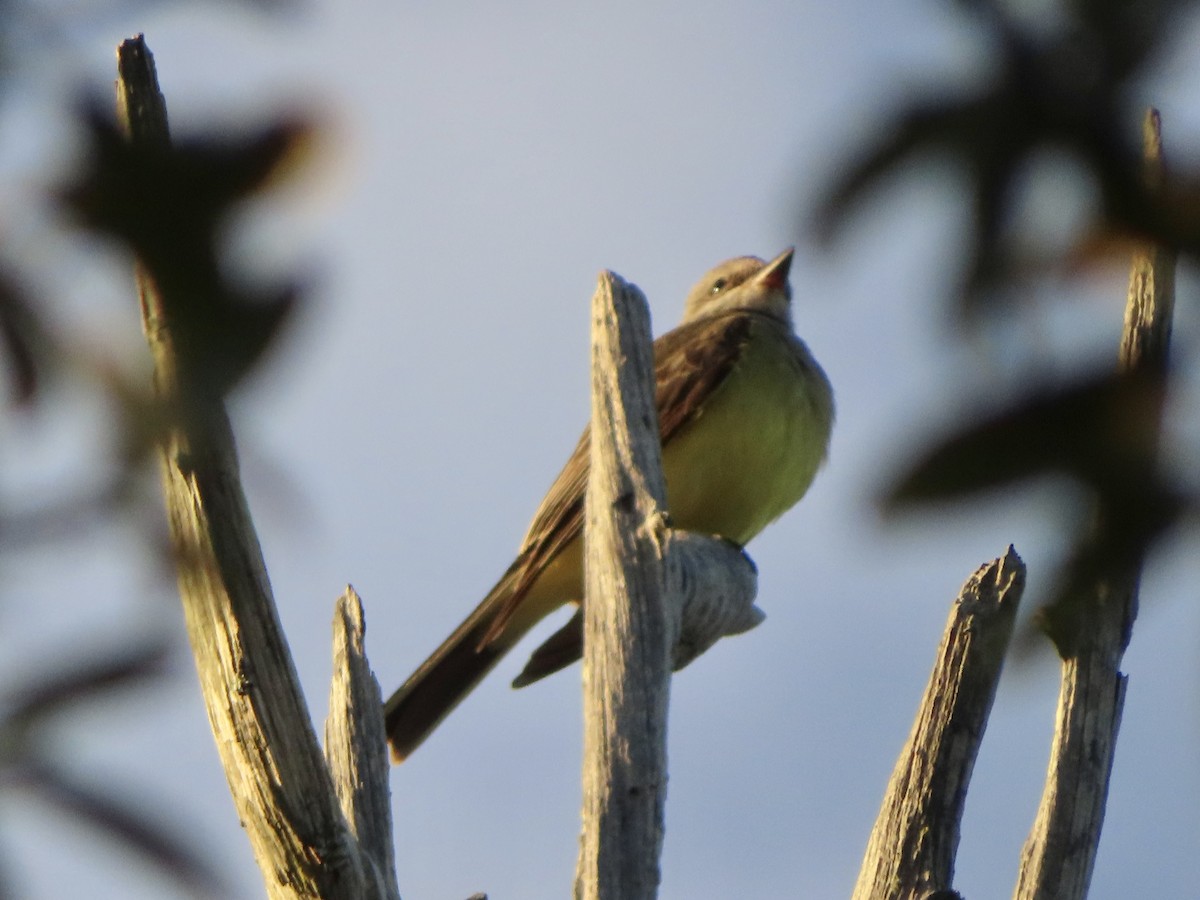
(774, 274)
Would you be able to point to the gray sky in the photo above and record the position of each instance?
(479, 169)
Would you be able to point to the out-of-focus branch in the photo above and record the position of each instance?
(1150, 308)
(911, 850)
(1060, 852)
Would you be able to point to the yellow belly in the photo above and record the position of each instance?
(756, 446)
(747, 458)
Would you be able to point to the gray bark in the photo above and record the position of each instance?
(640, 617)
(910, 853)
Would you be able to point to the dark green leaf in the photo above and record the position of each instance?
(1102, 432)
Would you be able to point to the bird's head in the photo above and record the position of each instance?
(745, 282)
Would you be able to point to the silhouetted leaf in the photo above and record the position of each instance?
(22, 339)
(121, 668)
(1102, 431)
(170, 204)
(150, 836)
(1060, 89)
(168, 201)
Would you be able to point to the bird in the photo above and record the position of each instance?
(745, 415)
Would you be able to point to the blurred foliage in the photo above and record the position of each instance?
(1103, 434)
(28, 760)
(1062, 84)
(169, 207)
(1062, 88)
(22, 339)
(169, 203)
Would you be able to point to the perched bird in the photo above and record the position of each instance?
(745, 415)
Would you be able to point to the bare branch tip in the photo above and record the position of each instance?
(1011, 560)
(348, 612)
(133, 51)
(996, 583)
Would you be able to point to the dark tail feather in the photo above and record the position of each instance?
(443, 680)
(561, 649)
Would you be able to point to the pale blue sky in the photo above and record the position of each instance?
(479, 169)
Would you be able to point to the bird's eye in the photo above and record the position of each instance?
(718, 286)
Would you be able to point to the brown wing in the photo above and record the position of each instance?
(690, 362)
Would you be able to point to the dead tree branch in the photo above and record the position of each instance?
(910, 854)
(281, 786)
(655, 599)
(1060, 852)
